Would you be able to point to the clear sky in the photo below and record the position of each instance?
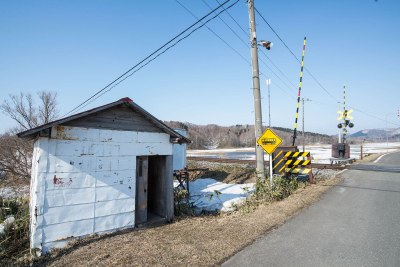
(77, 47)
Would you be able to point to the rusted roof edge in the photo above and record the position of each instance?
(127, 101)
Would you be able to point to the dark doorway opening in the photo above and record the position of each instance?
(153, 190)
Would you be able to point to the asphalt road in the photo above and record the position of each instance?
(356, 223)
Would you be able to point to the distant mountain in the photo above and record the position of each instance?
(215, 136)
(392, 134)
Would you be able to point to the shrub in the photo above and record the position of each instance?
(265, 193)
(14, 242)
(182, 203)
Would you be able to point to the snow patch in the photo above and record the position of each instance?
(210, 195)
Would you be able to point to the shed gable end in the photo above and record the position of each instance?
(115, 118)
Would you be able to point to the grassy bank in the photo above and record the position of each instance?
(14, 241)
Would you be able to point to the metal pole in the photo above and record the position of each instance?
(340, 130)
(256, 92)
(344, 114)
(269, 104)
(271, 181)
(302, 100)
(387, 136)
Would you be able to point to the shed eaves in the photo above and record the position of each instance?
(123, 101)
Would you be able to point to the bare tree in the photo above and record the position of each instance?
(48, 109)
(15, 156)
(23, 110)
(16, 153)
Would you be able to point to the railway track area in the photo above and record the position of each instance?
(252, 162)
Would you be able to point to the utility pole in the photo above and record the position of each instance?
(256, 92)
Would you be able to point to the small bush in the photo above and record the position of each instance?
(265, 193)
(182, 203)
(14, 242)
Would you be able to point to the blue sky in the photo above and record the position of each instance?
(77, 47)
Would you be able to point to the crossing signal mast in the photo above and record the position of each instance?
(341, 150)
(345, 115)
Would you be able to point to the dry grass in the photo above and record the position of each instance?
(200, 241)
(369, 158)
(223, 172)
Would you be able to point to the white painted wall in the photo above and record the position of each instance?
(83, 182)
(179, 152)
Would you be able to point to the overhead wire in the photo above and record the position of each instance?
(248, 45)
(281, 72)
(122, 77)
(291, 52)
(213, 32)
(373, 116)
(307, 70)
(227, 44)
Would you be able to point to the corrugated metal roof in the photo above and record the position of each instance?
(123, 101)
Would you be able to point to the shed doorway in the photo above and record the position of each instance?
(151, 190)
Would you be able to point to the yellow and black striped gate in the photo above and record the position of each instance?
(278, 159)
(298, 163)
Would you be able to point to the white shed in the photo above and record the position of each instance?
(104, 169)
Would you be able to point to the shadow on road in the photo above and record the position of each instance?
(365, 188)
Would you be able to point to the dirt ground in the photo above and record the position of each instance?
(223, 172)
(195, 241)
(369, 158)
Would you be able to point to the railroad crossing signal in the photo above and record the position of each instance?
(345, 115)
(269, 141)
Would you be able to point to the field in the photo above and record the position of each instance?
(321, 153)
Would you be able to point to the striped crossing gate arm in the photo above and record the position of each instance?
(299, 92)
(290, 163)
(298, 170)
(296, 154)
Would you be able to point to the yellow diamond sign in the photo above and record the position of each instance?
(269, 141)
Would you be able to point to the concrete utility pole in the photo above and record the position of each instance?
(256, 92)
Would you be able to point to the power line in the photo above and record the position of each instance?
(155, 52)
(247, 46)
(156, 56)
(273, 72)
(226, 24)
(291, 52)
(373, 116)
(284, 75)
(296, 58)
(237, 23)
(213, 32)
(234, 50)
